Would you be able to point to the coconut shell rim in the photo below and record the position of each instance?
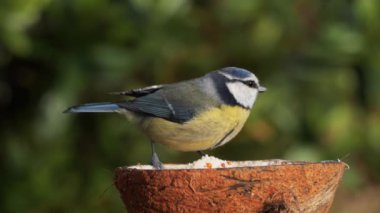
(285, 163)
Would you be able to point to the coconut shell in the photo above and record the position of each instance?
(278, 186)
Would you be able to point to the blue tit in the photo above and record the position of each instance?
(193, 115)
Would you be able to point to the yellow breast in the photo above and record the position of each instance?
(205, 131)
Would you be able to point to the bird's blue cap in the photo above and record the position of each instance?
(236, 72)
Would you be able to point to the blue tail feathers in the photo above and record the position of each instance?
(94, 107)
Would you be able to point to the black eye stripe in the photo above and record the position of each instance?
(249, 83)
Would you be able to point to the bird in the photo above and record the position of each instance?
(192, 115)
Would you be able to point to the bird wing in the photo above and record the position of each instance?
(139, 92)
(177, 103)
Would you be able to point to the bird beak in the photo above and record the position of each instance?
(262, 89)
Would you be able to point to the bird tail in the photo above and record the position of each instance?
(94, 107)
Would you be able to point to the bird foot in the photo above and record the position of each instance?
(202, 154)
(156, 163)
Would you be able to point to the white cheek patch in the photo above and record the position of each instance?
(243, 94)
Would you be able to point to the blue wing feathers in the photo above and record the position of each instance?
(157, 106)
(165, 102)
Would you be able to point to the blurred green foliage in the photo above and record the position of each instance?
(318, 59)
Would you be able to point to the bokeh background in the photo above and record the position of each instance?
(320, 61)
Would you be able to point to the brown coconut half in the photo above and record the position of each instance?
(213, 185)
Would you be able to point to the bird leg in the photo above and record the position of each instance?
(156, 163)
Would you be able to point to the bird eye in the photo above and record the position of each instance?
(250, 84)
